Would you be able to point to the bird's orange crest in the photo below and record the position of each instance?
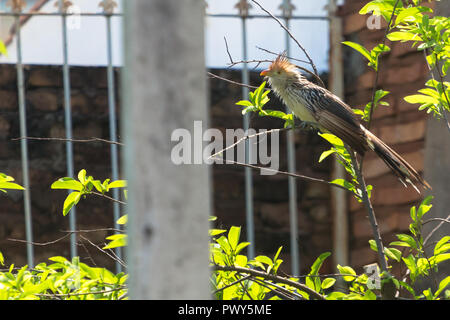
(281, 63)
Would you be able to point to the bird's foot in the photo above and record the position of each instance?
(308, 125)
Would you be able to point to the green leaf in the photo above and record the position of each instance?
(407, 239)
(344, 183)
(427, 293)
(318, 263)
(273, 113)
(393, 253)
(407, 13)
(325, 154)
(224, 245)
(359, 48)
(442, 285)
(71, 200)
(233, 237)
(403, 36)
(336, 295)
(11, 185)
(264, 259)
(68, 184)
(97, 184)
(241, 246)
(122, 220)
(441, 257)
(215, 232)
(2, 259)
(347, 271)
(117, 240)
(3, 50)
(82, 176)
(244, 103)
(117, 184)
(275, 258)
(241, 261)
(442, 245)
(331, 138)
(411, 264)
(328, 282)
(373, 245)
(249, 109)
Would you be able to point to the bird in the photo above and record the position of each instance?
(320, 108)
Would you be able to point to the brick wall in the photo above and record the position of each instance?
(45, 118)
(271, 206)
(400, 125)
(402, 72)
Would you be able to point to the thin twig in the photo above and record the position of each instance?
(377, 72)
(230, 81)
(68, 295)
(107, 197)
(228, 50)
(93, 139)
(277, 289)
(290, 35)
(435, 228)
(272, 277)
(39, 243)
(232, 284)
(290, 174)
(278, 130)
(444, 111)
(371, 213)
(105, 252)
(276, 54)
(93, 230)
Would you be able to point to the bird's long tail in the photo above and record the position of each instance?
(404, 171)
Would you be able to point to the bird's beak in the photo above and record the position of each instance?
(264, 73)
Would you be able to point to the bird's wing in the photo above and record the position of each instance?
(335, 116)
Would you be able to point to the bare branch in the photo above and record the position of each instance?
(299, 176)
(435, 228)
(272, 277)
(371, 213)
(107, 197)
(290, 34)
(377, 72)
(230, 81)
(276, 54)
(93, 139)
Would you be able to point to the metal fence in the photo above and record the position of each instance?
(243, 12)
(63, 11)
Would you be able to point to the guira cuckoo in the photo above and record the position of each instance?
(324, 110)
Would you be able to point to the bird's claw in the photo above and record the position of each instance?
(308, 125)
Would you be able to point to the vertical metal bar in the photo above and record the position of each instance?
(113, 132)
(339, 197)
(248, 171)
(292, 184)
(24, 147)
(68, 124)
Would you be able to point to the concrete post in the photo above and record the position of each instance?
(164, 86)
(437, 168)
